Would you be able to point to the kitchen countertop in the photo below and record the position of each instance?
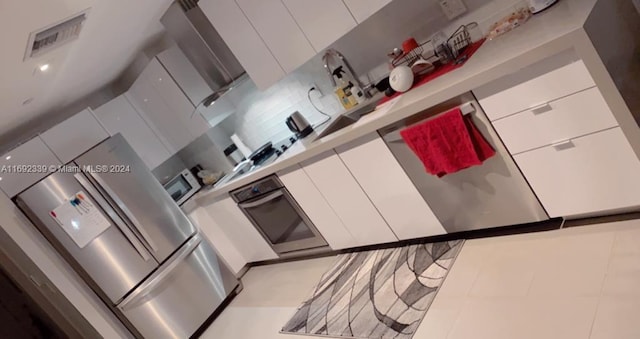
(544, 35)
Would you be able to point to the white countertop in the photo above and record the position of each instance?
(542, 36)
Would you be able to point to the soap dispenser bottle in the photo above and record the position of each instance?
(343, 89)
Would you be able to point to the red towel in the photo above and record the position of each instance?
(448, 143)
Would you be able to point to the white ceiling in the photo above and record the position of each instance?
(114, 32)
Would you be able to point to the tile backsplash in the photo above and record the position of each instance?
(259, 116)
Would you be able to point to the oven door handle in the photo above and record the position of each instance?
(262, 201)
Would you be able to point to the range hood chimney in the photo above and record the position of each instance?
(203, 46)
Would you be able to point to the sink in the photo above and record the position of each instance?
(348, 118)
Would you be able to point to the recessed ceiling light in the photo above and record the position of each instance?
(0, 178)
(44, 68)
(8, 157)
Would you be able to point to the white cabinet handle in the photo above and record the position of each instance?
(541, 109)
(563, 145)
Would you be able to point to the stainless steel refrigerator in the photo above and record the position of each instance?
(122, 232)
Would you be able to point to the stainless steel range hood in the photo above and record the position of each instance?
(203, 46)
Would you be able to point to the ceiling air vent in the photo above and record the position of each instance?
(54, 36)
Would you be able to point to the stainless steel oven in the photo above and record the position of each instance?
(277, 216)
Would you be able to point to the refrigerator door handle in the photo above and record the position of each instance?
(112, 214)
(125, 210)
(163, 272)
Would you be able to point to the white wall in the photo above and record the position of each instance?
(58, 271)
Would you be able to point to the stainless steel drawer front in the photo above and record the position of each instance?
(182, 294)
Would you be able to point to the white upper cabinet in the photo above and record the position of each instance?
(181, 107)
(165, 108)
(279, 31)
(74, 136)
(389, 188)
(346, 198)
(26, 165)
(363, 9)
(243, 40)
(323, 22)
(119, 116)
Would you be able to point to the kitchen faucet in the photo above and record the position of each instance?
(333, 54)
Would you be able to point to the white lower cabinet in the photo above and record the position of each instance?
(239, 230)
(221, 243)
(317, 208)
(586, 175)
(348, 200)
(387, 185)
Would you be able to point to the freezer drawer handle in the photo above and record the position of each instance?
(112, 214)
(125, 210)
(262, 201)
(163, 272)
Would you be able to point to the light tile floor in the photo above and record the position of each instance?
(581, 282)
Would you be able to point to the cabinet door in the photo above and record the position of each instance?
(240, 231)
(323, 22)
(152, 108)
(316, 207)
(362, 9)
(119, 116)
(519, 92)
(243, 40)
(74, 136)
(279, 31)
(223, 246)
(347, 199)
(586, 175)
(177, 102)
(570, 117)
(16, 171)
(389, 188)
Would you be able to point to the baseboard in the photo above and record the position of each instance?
(547, 225)
(601, 219)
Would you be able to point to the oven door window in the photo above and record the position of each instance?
(277, 218)
(178, 187)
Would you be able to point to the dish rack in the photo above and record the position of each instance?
(459, 41)
(415, 54)
(451, 50)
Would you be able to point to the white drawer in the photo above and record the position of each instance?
(595, 173)
(570, 117)
(547, 87)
